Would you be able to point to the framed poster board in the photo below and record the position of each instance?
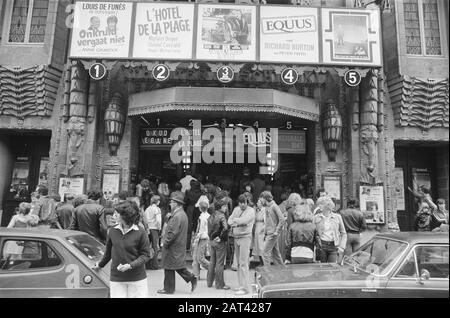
(399, 189)
(111, 182)
(371, 200)
(332, 185)
(43, 171)
(226, 33)
(74, 186)
(20, 179)
(101, 29)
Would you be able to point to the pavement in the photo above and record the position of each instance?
(183, 290)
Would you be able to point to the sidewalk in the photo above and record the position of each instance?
(183, 289)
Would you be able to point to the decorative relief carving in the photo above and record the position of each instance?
(77, 121)
(420, 103)
(28, 92)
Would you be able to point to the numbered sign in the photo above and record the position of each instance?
(352, 78)
(225, 74)
(160, 72)
(97, 71)
(289, 76)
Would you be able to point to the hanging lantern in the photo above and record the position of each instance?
(331, 129)
(115, 122)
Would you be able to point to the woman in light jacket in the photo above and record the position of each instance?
(302, 235)
(330, 226)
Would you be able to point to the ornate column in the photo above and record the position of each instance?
(369, 129)
(76, 120)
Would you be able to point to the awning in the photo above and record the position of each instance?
(223, 99)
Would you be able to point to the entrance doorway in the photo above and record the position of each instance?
(419, 165)
(25, 163)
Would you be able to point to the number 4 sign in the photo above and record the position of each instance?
(97, 71)
(289, 76)
(161, 72)
(352, 78)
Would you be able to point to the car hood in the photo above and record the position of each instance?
(307, 273)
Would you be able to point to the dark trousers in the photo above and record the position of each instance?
(169, 278)
(154, 237)
(328, 252)
(353, 243)
(216, 264)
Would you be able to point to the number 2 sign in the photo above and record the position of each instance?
(161, 72)
(289, 76)
(97, 71)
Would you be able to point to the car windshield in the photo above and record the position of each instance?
(377, 255)
(87, 245)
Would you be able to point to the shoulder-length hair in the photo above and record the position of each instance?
(302, 212)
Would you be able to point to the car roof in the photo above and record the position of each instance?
(39, 232)
(417, 237)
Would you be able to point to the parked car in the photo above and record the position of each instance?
(40, 262)
(403, 264)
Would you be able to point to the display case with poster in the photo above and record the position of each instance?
(110, 183)
(73, 186)
(226, 32)
(351, 37)
(18, 189)
(371, 199)
(43, 171)
(332, 185)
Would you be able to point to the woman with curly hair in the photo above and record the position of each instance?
(302, 235)
(128, 247)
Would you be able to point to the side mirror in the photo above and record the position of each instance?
(424, 274)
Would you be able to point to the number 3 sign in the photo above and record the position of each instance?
(97, 71)
(161, 72)
(352, 78)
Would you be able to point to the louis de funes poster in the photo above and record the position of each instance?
(226, 32)
(372, 203)
(101, 29)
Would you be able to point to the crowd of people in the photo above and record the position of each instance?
(262, 225)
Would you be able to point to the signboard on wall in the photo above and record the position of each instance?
(289, 34)
(101, 29)
(399, 189)
(156, 137)
(291, 142)
(163, 30)
(226, 33)
(332, 185)
(351, 37)
(110, 183)
(74, 186)
(371, 200)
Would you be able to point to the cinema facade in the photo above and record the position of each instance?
(309, 78)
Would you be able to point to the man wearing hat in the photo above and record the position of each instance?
(174, 246)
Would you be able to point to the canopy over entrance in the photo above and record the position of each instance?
(223, 99)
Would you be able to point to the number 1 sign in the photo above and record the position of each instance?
(97, 71)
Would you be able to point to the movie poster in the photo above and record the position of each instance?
(226, 32)
(289, 34)
(164, 30)
(399, 189)
(110, 183)
(73, 186)
(332, 186)
(101, 29)
(19, 182)
(371, 199)
(351, 36)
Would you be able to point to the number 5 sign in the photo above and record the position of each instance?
(289, 76)
(352, 78)
(97, 71)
